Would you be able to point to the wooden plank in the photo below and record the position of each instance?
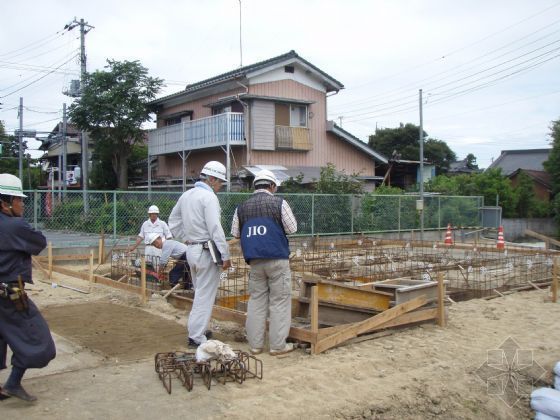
(353, 296)
(545, 238)
(226, 314)
(314, 313)
(441, 300)
(143, 279)
(554, 286)
(37, 264)
(419, 315)
(364, 326)
(99, 279)
(65, 257)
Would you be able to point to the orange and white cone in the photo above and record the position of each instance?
(448, 236)
(501, 243)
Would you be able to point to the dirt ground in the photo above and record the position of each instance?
(106, 343)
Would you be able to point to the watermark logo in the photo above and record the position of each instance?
(510, 372)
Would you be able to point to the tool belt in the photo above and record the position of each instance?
(16, 295)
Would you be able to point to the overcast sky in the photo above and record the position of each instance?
(489, 69)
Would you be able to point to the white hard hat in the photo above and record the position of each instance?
(153, 209)
(11, 185)
(215, 169)
(151, 237)
(265, 177)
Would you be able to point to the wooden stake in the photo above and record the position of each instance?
(554, 286)
(101, 252)
(441, 300)
(534, 286)
(314, 314)
(171, 290)
(143, 279)
(90, 268)
(49, 253)
(497, 292)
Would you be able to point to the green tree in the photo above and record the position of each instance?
(112, 108)
(490, 184)
(552, 165)
(471, 161)
(331, 182)
(294, 185)
(403, 141)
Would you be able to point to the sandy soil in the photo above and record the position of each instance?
(106, 342)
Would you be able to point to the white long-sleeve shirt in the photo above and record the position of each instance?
(197, 218)
(159, 226)
(171, 248)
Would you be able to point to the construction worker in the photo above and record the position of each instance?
(262, 223)
(153, 225)
(22, 327)
(178, 251)
(197, 220)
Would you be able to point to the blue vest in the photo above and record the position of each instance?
(262, 233)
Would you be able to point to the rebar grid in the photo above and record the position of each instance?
(471, 271)
(184, 367)
(126, 267)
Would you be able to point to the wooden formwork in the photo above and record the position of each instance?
(342, 288)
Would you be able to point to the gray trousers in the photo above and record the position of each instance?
(270, 293)
(205, 279)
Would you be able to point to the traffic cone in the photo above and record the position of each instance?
(500, 244)
(448, 236)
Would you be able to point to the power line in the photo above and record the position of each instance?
(452, 93)
(35, 81)
(452, 70)
(41, 42)
(446, 55)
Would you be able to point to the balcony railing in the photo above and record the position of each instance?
(204, 133)
(292, 138)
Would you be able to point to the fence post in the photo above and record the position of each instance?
(352, 214)
(399, 215)
(35, 207)
(439, 213)
(312, 214)
(114, 215)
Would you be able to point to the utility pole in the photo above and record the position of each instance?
(20, 138)
(64, 149)
(240, 44)
(420, 205)
(84, 29)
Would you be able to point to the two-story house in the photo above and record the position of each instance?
(272, 114)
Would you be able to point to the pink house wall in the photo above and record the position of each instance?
(326, 147)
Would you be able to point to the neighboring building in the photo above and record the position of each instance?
(52, 159)
(529, 161)
(510, 161)
(542, 185)
(461, 167)
(270, 114)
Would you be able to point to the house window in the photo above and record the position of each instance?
(298, 116)
(178, 119)
(291, 130)
(291, 115)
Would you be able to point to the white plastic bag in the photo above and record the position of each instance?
(214, 349)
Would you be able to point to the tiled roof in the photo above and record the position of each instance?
(355, 141)
(528, 159)
(243, 71)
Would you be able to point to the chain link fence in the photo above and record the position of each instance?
(121, 213)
